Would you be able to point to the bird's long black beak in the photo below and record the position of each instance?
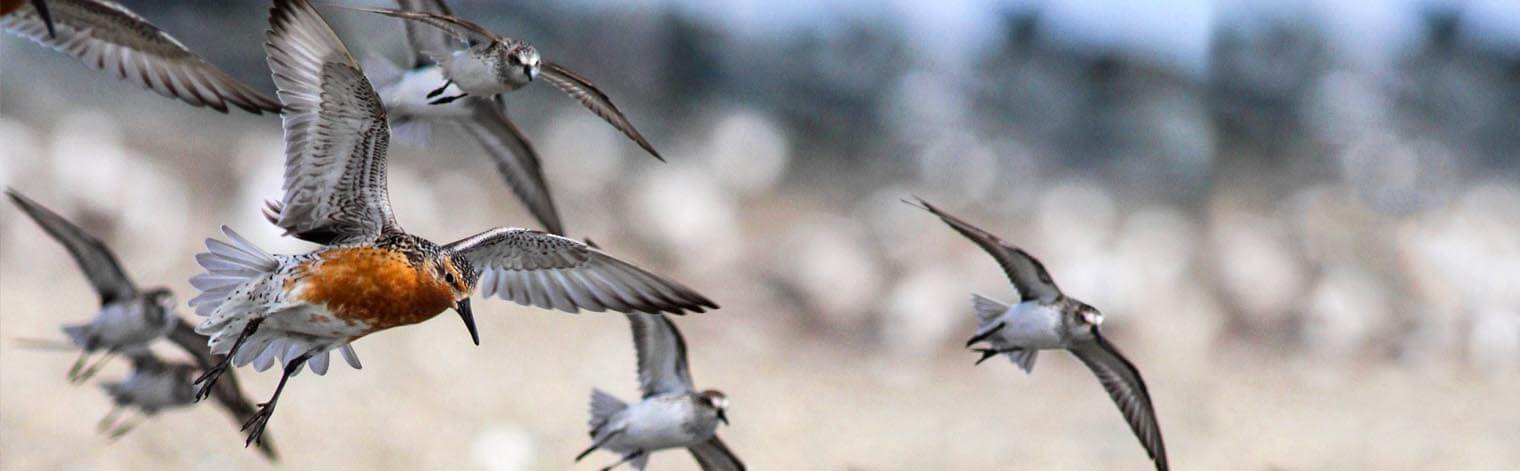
(47, 16)
(463, 308)
(723, 416)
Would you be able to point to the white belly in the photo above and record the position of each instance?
(1030, 325)
(474, 76)
(124, 325)
(408, 97)
(656, 424)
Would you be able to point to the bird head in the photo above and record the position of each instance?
(456, 273)
(715, 400)
(162, 303)
(1090, 315)
(523, 60)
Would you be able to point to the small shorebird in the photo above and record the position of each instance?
(493, 64)
(671, 414)
(155, 385)
(40, 6)
(1047, 319)
(483, 118)
(370, 275)
(108, 37)
(128, 319)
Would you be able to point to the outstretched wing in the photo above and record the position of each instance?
(110, 38)
(463, 30)
(1027, 273)
(335, 133)
(713, 455)
(226, 392)
(514, 158)
(553, 272)
(94, 259)
(662, 355)
(1122, 381)
(425, 41)
(593, 99)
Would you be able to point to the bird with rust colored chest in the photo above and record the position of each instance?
(381, 287)
(370, 274)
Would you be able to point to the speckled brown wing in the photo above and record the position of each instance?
(336, 135)
(110, 38)
(535, 268)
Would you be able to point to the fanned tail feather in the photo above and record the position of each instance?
(988, 310)
(603, 406)
(78, 334)
(232, 271)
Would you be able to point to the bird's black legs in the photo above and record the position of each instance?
(448, 99)
(255, 424)
(125, 426)
(94, 368)
(46, 15)
(84, 356)
(110, 418)
(984, 335)
(992, 352)
(630, 457)
(439, 90)
(208, 379)
(595, 445)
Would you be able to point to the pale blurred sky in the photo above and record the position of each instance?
(1173, 32)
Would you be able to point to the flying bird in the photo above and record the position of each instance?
(155, 385)
(492, 64)
(108, 37)
(128, 319)
(482, 118)
(672, 414)
(128, 322)
(1047, 319)
(370, 275)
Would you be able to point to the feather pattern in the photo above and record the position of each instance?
(1027, 273)
(662, 355)
(1122, 381)
(108, 37)
(592, 98)
(553, 272)
(336, 135)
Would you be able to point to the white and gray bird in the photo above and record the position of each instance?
(108, 37)
(128, 318)
(128, 322)
(492, 64)
(1047, 319)
(672, 414)
(412, 117)
(155, 385)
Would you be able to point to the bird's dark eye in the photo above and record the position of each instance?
(448, 277)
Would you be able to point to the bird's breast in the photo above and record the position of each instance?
(374, 286)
